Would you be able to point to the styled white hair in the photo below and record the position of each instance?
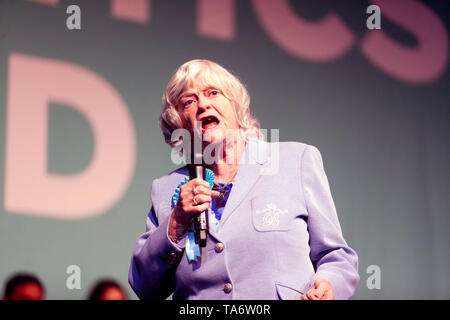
(208, 73)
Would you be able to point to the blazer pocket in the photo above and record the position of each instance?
(287, 292)
(270, 213)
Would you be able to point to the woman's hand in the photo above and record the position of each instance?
(321, 290)
(195, 197)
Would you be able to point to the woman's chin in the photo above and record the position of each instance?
(211, 142)
(213, 135)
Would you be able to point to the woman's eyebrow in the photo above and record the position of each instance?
(191, 93)
(187, 94)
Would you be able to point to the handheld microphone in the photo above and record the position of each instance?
(196, 170)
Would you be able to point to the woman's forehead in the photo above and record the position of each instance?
(205, 79)
(196, 86)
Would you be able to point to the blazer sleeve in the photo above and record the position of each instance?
(155, 256)
(332, 258)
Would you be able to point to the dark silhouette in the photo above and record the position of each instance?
(24, 286)
(107, 289)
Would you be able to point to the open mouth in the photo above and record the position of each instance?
(209, 122)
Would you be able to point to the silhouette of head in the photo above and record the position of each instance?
(24, 286)
(107, 289)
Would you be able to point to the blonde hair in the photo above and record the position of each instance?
(209, 74)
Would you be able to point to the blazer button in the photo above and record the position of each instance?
(227, 288)
(219, 247)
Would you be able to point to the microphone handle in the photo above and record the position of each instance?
(201, 224)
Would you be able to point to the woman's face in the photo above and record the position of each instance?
(209, 108)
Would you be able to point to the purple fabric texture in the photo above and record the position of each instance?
(279, 230)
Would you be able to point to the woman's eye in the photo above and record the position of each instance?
(214, 92)
(188, 102)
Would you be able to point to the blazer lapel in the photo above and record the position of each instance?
(255, 155)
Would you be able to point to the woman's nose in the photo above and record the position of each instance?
(203, 104)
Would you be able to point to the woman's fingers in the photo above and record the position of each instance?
(208, 192)
(321, 290)
(200, 208)
(195, 197)
(311, 295)
(195, 193)
(328, 295)
(200, 199)
(198, 182)
(201, 189)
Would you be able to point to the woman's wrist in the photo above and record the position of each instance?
(176, 229)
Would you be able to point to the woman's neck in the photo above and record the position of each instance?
(226, 169)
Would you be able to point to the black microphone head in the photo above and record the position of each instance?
(196, 171)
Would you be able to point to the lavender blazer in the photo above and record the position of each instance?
(278, 233)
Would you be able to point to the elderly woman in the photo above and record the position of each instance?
(273, 228)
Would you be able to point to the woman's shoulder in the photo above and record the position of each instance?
(284, 146)
(297, 145)
(174, 176)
